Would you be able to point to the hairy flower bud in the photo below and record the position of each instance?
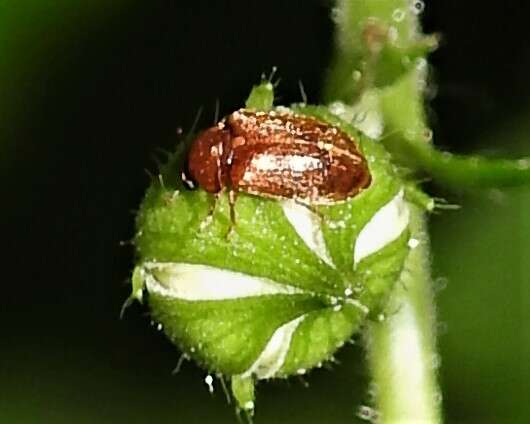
(277, 290)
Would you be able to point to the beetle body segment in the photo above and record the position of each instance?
(279, 155)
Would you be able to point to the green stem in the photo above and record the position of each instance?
(380, 50)
(402, 349)
(469, 171)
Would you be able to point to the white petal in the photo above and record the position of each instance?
(202, 282)
(272, 358)
(307, 226)
(387, 224)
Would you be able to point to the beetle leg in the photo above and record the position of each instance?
(232, 196)
(188, 182)
(218, 159)
(213, 205)
(211, 210)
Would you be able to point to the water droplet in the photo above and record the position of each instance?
(440, 283)
(421, 64)
(159, 327)
(381, 317)
(348, 292)
(301, 371)
(337, 108)
(413, 243)
(367, 413)
(337, 15)
(337, 308)
(398, 15)
(427, 134)
(356, 75)
(418, 6)
(436, 361)
(209, 382)
(523, 164)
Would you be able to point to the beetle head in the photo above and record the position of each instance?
(204, 160)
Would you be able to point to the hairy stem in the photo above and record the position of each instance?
(380, 51)
(402, 349)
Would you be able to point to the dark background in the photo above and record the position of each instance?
(89, 91)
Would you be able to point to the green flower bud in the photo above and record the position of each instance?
(279, 290)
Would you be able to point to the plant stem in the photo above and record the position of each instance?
(380, 50)
(402, 349)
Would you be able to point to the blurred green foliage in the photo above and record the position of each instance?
(485, 308)
(33, 37)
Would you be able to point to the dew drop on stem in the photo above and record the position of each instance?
(418, 6)
(523, 164)
(398, 15)
(209, 382)
(367, 413)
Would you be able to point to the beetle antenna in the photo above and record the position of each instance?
(216, 113)
(195, 123)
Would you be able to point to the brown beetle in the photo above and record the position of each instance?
(278, 155)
